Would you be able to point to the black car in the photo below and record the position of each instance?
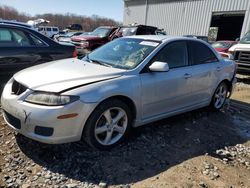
(130, 30)
(22, 47)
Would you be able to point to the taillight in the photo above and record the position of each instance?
(74, 53)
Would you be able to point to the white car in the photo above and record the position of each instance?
(126, 83)
(48, 31)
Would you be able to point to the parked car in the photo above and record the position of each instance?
(86, 43)
(126, 83)
(204, 38)
(22, 47)
(48, 31)
(67, 36)
(75, 27)
(241, 53)
(130, 30)
(223, 45)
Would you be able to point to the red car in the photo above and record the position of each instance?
(87, 42)
(223, 45)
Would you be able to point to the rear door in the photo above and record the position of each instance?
(205, 70)
(166, 92)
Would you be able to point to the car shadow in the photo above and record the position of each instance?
(150, 150)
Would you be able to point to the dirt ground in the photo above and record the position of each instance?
(195, 149)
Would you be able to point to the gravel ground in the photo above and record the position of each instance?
(195, 149)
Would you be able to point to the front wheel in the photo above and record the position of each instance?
(108, 125)
(219, 96)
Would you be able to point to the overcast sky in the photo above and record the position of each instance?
(106, 8)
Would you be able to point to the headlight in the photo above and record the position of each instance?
(50, 99)
(84, 43)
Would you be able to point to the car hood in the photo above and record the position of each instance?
(87, 37)
(62, 75)
(239, 46)
(221, 49)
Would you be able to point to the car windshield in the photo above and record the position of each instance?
(221, 45)
(101, 32)
(246, 38)
(128, 31)
(122, 53)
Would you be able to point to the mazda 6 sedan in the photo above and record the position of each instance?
(126, 83)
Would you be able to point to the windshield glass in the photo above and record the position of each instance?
(122, 53)
(221, 45)
(246, 38)
(101, 32)
(128, 31)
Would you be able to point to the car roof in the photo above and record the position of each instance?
(7, 22)
(148, 26)
(160, 38)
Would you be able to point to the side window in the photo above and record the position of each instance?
(13, 38)
(5, 35)
(200, 53)
(175, 54)
(48, 28)
(37, 41)
(55, 29)
(21, 38)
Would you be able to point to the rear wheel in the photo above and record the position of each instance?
(219, 96)
(108, 125)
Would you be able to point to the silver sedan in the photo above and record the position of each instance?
(126, 83)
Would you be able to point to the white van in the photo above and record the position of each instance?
(48, 31)
(241, 52)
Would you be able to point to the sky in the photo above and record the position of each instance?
(105, 8)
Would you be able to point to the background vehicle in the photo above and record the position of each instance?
(128, 82)
(241, 53)
(75, 27)
(223, 45)
(67, 36)
(21, 47)
(135, 30)
(48, 31)
(86, 43)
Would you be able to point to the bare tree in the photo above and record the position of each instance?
(59, 20)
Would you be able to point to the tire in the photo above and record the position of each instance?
(108, 125)
(219, 96)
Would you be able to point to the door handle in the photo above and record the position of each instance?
(186, 76)
(218, 68)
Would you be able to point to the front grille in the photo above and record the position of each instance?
(17, 88)
(12, 120)
(243, 57)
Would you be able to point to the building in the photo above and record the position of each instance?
(228, 19)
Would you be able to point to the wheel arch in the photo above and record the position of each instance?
(128, 101)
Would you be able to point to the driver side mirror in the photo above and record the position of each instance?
(158, 66)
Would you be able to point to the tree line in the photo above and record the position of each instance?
(89, 23)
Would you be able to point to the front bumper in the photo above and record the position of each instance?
(40, 122)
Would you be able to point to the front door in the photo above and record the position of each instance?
(165, 92)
